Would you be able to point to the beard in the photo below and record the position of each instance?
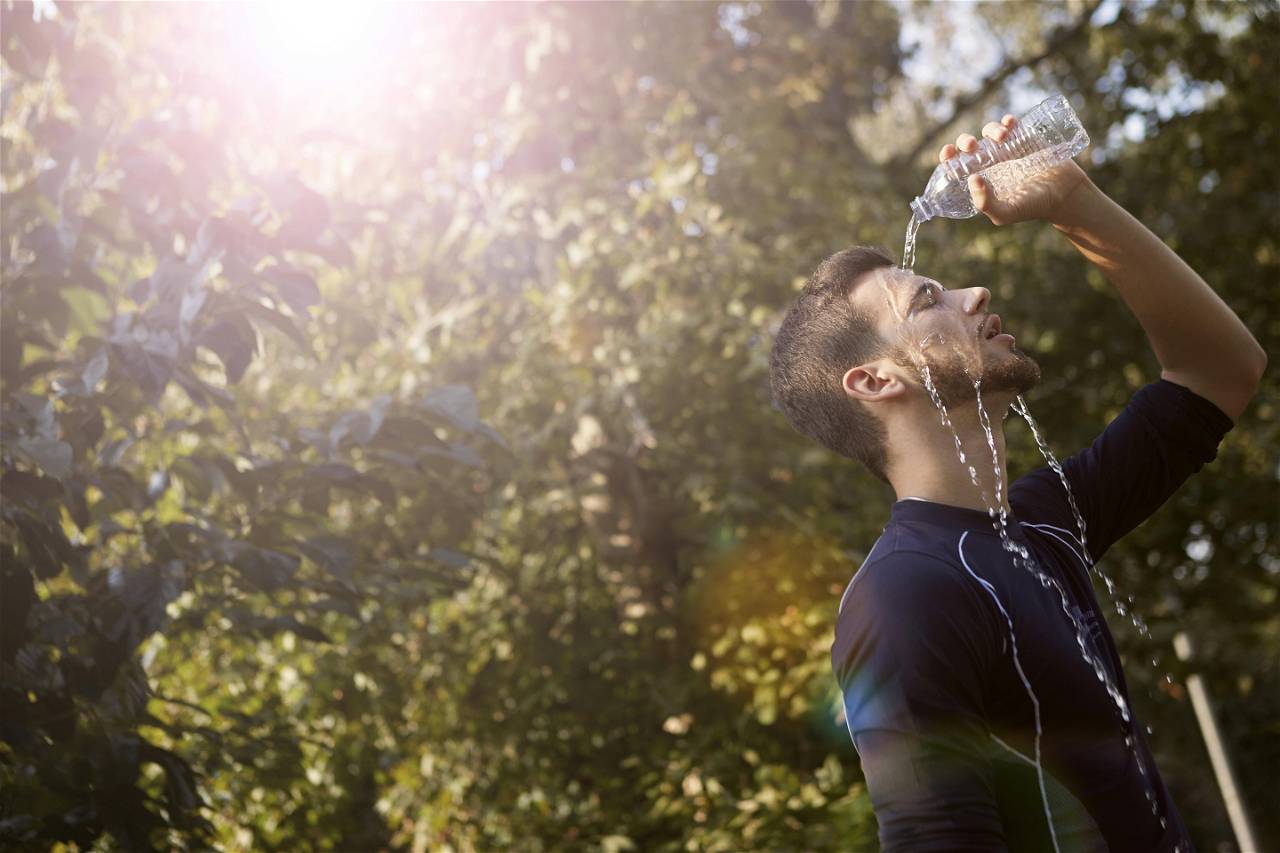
(952, 373)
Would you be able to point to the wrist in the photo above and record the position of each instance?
(1078, 206)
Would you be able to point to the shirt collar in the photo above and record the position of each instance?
(951, 517)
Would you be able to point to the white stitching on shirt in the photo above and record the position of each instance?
(1035, 702)
(1078, 555)
(1054, 527)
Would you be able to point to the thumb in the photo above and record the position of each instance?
(980, 191)
(983, 197)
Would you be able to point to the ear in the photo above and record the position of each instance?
(874, 382)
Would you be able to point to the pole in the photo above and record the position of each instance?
(1217, 752)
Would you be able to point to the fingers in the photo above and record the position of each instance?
(967, 142)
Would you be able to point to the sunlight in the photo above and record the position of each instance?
(320, 44)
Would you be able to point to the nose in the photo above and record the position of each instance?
(975, 299)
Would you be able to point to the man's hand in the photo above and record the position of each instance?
(1038, 198)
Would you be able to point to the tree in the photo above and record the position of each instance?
(150, 496)
(275, 584)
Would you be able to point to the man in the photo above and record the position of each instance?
(986, 703)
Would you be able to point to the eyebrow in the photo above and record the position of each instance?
(920, 291)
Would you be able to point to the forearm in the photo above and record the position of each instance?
(1193, 333)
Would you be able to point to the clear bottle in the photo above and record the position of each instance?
(1048, 134)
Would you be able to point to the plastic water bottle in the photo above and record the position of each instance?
(1047, 135)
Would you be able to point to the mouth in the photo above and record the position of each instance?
(990, 328)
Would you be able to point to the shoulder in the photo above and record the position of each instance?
(916, 615)
(902, 551)
(906, 574)
(905, 589)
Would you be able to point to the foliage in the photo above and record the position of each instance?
(270, 581)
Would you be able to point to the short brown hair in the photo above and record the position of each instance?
(821, 337)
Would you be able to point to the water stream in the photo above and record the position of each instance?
(1020, 556)
(909, 246)
(1122, 608)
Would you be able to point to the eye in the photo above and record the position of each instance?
(928, 296)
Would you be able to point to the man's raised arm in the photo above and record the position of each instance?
(1200, 342)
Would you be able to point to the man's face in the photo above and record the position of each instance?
(952, 331)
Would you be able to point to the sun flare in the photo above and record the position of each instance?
(320, 43)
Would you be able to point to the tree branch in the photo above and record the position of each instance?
(1060, 39)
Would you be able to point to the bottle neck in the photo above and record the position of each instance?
(922, 209)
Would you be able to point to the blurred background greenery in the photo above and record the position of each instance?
(388, 456)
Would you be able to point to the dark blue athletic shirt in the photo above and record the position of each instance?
(937, 710)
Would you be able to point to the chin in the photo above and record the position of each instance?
(1009, 375)
(1016, 374)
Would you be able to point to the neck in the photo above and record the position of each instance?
(930, 468)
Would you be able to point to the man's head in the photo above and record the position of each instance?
(850, 352)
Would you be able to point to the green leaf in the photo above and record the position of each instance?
(449, 557)
(87, 310)
(181, 791)
(361, 425)
(306, 212)
(31, 488)
(457, 403)
(335, 554)
(52, 455)
(47, 546)
(295, 286)
(263, 567)
(455, 452)
(95, 371)
(280, 321)
(234, 342)
(288, 623)
(192, 301)
(342, 476)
